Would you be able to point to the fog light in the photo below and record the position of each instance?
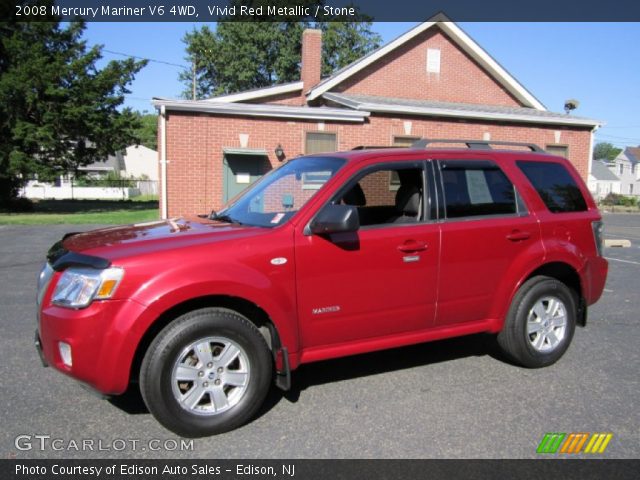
(65, 353)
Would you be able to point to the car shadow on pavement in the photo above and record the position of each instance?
(130, 401)
(346, 368)
(319, 373)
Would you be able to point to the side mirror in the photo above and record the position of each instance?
(335, 219)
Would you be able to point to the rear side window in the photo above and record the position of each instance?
(476, 188)
(555, 185)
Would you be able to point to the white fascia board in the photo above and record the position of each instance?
(255, 94)
(506, 117)
(263, 110)
(447, 112)
(483, 58)
(365, 62)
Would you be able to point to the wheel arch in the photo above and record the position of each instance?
(569, 276)
(254, 313)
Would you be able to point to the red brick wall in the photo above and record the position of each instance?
(195, 143)
(311, 60)
(403, 74)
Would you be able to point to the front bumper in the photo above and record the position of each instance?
(102, 338)
(38, 344)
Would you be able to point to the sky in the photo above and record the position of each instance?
(597, 64)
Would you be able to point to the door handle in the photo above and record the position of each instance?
(412, 246)
(518, 235)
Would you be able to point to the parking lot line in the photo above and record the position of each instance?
(623, 261)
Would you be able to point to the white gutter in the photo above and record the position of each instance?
(458, 113)
(263, 110)
(163, 161)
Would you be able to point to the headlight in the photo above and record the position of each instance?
(78, 287)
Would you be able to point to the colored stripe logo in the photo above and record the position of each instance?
(574, 442)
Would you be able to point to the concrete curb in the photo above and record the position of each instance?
(617, 243)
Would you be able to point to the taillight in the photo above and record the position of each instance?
(598, 234)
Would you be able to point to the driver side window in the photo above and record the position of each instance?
(377, 204)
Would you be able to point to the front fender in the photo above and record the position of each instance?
(273, 291)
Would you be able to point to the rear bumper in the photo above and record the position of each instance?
(596, 272)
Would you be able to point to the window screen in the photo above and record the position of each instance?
(476, 189)
(404, 141)
(320, 142)
(555, 185)
(559, 150)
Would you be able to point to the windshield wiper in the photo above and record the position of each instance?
(225, 218)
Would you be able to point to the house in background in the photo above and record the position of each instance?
(602, 180)
(138, 163)
(434, 81)
(626, 168)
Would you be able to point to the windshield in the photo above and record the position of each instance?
(281, 193)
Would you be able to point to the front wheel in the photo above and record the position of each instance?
(540, 323)
(208, 372)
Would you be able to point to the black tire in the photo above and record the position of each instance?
(518, 338)
(217, 329)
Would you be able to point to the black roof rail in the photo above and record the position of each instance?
(475, 144)
(374, 147)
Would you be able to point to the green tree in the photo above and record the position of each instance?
(605, 150)
(239, 56)
(147, 132)
(58, 111)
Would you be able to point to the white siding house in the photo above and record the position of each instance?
(602, 180)
(627, 169)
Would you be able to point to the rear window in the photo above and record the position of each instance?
(476, 188)
(555, 185)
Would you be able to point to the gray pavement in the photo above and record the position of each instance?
(450, 399)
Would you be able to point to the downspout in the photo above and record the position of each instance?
(163, 161)
(590, 164)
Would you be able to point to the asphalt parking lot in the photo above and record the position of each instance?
(450, 399)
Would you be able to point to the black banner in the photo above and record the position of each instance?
(320, 469)
(326, 10)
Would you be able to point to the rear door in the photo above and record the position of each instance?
(486, 232)
(380, 280)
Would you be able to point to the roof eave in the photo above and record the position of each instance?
(257, 94)
(445, 112)
(263, 110)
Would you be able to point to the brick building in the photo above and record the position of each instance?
(433, 81)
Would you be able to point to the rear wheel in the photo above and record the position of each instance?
(206, 373)
(540, 323)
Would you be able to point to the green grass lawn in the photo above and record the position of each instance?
(84, 211)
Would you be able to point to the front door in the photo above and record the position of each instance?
(380, 280)
(240, 171)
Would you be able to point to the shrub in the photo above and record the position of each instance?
(21, 204)
(621, 200)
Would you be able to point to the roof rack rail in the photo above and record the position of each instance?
(374, 147)
(475, 144)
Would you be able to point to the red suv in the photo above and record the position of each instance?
(327, 256)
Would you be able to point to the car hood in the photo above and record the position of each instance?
(115, 242)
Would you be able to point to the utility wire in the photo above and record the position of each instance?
(631, 139)
(144, 58)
